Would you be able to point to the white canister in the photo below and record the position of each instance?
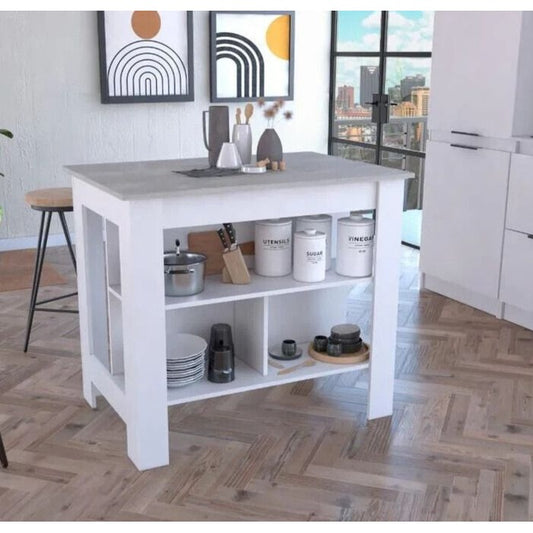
(320, 223)
(309, 255)
(273, 247)
(355, 246)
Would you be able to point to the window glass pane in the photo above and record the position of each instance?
(358, 31)
(356, 153)
(357, 80)
(412, 207)
(410, 31)
(407, 83)
(413, 187)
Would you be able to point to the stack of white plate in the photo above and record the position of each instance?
(186, 360)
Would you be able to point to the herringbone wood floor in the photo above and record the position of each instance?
(458, 447)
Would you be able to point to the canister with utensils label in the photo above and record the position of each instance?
(273, 247)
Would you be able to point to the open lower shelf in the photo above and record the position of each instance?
(246, 378)
(217, 292)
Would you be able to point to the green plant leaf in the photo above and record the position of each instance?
(7, 133)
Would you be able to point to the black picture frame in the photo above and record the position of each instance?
(246, 93)
(187, 69)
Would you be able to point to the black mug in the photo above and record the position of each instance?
(221, 365)
(320, 343)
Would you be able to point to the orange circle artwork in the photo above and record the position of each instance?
(277, 36)
(146, 24)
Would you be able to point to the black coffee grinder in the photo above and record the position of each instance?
(221, 364)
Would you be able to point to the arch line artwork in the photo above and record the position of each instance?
(143, 56)
(251, 56)
(248, 60)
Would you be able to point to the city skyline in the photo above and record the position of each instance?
(359, 31)
(403, 92)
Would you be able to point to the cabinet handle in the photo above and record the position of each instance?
(530, 236)
(465, 133)
(466, 147)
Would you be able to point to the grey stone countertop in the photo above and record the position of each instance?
(156, 179)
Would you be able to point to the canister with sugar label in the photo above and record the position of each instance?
(319, 223)
(309, 255)
(355, 246)
(273, 247)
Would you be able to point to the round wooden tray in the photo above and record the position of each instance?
(345, 358)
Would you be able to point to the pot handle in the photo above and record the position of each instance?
(204, 114)
(172, 272)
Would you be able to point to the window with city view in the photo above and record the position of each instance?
(381, 69)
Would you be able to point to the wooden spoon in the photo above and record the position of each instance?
(238, 115)
(309, 362)
(248, 111)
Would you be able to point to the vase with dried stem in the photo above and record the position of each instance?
(269, 145)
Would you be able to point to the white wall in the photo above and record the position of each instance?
(50, 99)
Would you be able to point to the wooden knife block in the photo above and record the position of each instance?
(235, 270)
(208, 243)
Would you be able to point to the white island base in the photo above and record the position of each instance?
(127, 323)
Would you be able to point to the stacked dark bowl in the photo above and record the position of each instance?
(349, 335)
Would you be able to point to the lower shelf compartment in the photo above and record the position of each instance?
(246, 378)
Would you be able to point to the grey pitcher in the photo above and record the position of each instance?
(218, 130)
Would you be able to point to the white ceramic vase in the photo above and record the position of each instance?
(242, 137)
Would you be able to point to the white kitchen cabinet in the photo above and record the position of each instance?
(517, 271)
(481, 75)
(520, 210)
(481, 87)
(516, 290)
(463, 218)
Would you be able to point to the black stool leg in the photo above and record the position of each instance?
(39, 260)
(67, 237)
(3, 455)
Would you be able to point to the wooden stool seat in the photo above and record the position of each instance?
(50, 199)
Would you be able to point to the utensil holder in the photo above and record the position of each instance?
(242, 137)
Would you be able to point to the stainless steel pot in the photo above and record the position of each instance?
(184, 272)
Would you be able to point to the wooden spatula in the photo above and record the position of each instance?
(248, 111)
(309, 362)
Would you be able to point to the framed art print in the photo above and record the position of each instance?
(146, 56)
(252, 55)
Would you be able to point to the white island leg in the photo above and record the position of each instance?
(143, 308)
(385, 300)
(91, 292)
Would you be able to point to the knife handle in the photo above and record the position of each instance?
(222, 237)
(231, 232)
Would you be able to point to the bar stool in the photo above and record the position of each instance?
(3, 455)
(48, 201)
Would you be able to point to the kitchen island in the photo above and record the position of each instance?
(127, 324)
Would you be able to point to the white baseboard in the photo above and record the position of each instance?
(22, 243)
(518, 316)
(485, 303)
